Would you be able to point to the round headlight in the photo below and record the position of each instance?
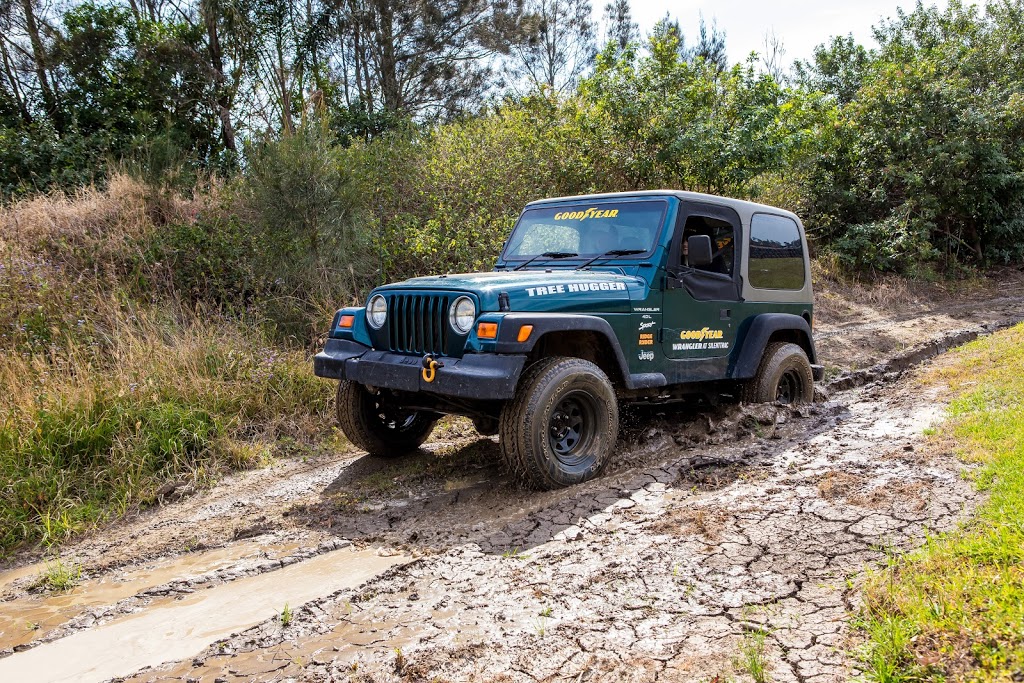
(377, 311)
(462, 314)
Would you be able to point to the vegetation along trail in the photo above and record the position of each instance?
(729, 541)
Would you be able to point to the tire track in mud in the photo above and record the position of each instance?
(737, 521)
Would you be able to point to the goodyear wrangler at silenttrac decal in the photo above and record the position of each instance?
(704, 340)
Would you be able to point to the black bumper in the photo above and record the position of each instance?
(476, 376)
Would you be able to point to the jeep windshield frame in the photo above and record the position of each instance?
(587, 229)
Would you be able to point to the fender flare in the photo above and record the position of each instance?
(545, 323)
(755, 340)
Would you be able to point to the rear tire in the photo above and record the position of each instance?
(378, 428)
(784, 376)
(561, 426)
(485, 426)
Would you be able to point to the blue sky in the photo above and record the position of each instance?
(800, 24)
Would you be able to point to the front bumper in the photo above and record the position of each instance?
(488, 376)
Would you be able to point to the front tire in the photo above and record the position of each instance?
(561, 426)
(784, 376)
(378, 428)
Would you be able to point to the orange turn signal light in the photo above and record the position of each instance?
(487, 330)
(524, 332)
(347, 321)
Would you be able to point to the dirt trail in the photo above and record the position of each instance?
(713, 532)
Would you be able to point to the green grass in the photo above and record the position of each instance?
(752, 658)
(954, 610)
(89, 433)
(58, 576)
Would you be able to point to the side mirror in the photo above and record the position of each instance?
(699, 251)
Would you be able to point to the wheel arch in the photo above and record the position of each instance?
(573, 335)
(587, 344)
(769, 328)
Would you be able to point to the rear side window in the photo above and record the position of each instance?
(776, 253)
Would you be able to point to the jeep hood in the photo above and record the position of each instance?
(539, 290)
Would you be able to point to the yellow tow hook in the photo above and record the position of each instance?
(430, 367)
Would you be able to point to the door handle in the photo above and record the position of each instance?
(725, 314)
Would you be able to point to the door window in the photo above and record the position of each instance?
(723, 246)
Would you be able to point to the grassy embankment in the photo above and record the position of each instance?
(954, 610)
(111, 384)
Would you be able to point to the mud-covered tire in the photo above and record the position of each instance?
(378, 429)
(485, 426)
(561, 427)
(784, 376)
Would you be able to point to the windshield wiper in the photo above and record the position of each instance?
(613, 252)
(546, 254)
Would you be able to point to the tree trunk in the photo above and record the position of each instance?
(39, 58)
(26, 116)
(217, 63)
(391, 93)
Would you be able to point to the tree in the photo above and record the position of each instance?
(836, 69)
(417, 59)
(667, 36)
(927, 161)
(774, 53)
(560, 48)
(664, 121)
(620, 27)
(710, 45)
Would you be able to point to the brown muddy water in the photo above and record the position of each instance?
(34, 617)
(176, 629)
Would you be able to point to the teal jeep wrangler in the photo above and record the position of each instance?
(595, 301)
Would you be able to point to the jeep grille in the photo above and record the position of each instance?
(418, 323)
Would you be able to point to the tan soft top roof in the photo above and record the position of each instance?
(744, 208)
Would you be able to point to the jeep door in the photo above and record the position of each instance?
(698, 328)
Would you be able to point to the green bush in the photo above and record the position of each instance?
(211, 260)
(72, 464)
(925, 161)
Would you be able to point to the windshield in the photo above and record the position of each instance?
(587, 230)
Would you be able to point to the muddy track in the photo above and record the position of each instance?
(650, 573)
(712, 527)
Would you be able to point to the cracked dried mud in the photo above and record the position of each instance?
(711, 526)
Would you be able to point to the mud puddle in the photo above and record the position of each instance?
(181, 628)
(35, 616)
(12, 576)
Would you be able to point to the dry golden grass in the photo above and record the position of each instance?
(111, 385)
(124, 209)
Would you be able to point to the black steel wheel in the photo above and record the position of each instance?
(377, 426)
(571, 427)
(784, 376)
(790, 388)
(562, 425)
